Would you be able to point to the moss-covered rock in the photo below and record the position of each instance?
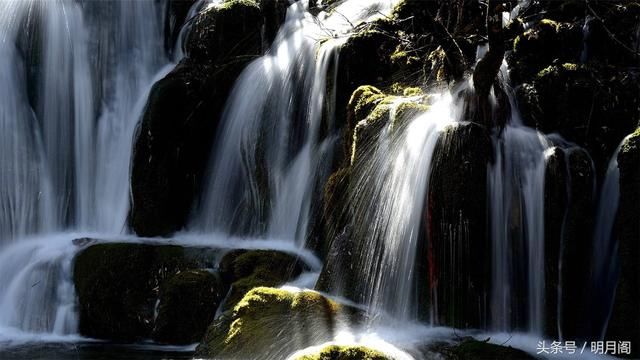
(624, 324)
(178, 127)
(541, 45)
(345, 352)
(370, 110)
(187, 305)
(226, 32)
(117, 286)
(272, 323)
(594, 107)
(248, 269)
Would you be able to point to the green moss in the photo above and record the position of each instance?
(631, 143)
(246, 270)
(337, 352)
(555, 70)
(363, 100)
(554, 25)
(412, 91)
(271, 322)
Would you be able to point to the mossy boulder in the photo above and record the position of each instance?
(273, 323)
(594, 107)
(455, 225)
(544, 43)
(179, 124)
(226, 32)
(345, 352)
(248, 269)
(187, 305)
(370, 111)
(117, 287)
(624, 324)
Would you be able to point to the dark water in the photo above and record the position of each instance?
(93, 351)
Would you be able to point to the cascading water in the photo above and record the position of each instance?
(387, 192)
(605, 249)
(516, 191)
(270, 153)
(66, 141)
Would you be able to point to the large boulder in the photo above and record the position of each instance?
(187, 304)
(178, 127)
(248, 269)
(455, 264)
(226, 32)
(117, 287)
(273, 323)
(624, 324)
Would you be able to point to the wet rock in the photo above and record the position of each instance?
(364, 59)
(471, 349)
(187, 305)
(226, 33)
(569, 209)
(454, 267)
(339, 274)
(248, 269)
(344, 352)
(594, 107)
(574, 251)
(117, 286)
(541, 45)
(555, 206)
(370, 111)
(178, 127)
(273, 323)
(624, 324)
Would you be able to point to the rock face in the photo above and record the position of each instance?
(178, 128)
(455, 261)
(117, 286)
(624, 324)
(187, 305)
(272, 324)
(248, 269)
(131, 292)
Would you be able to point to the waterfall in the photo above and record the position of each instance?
(605, 249)
(270, 153)
(75, 78)
(516, 191)
(387, 194)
